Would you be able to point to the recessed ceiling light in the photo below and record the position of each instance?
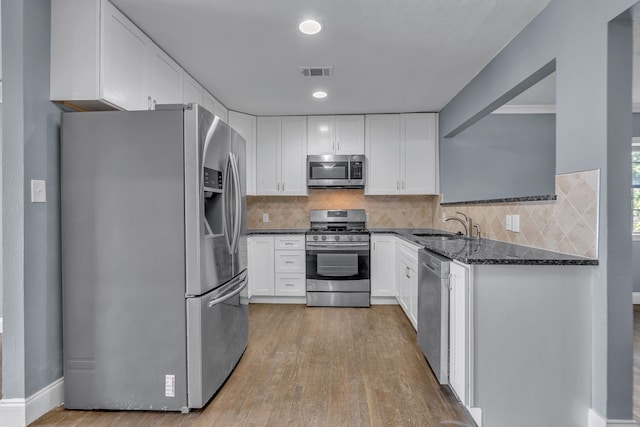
(319, 94)
(310, 27)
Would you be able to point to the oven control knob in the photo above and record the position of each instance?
(315, 237)
(324, 237)
(337, 237)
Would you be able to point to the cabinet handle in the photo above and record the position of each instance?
(406, 272)
(154, 104)
(148, 103)
(333, 146)
(397, 185)
(283, 187)
(288, 262)
(288, 243)
(289, 284)
(338, 145)
(278, 184)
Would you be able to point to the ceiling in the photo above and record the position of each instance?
(388, 56)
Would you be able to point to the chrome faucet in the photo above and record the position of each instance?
(466, 223)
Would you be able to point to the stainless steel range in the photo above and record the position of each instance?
(337, 248)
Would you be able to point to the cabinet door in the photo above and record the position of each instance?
(215, 106)
(349, 134)
(245, 125)
(382, 147)
(418, 153)
(268, 156)
(294, 156)
(458, 330)
(383, 268)
(261, 270)
(321, 135)
(413, 294)
(165, 79)
(124, 61)
(193, 91)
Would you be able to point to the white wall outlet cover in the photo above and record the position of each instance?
(515, 223)
(265, 217)
(38, 191)
(508, 222)
(444, 216)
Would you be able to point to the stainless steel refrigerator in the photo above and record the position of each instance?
(154, 257)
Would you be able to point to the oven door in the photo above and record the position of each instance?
(337, 261)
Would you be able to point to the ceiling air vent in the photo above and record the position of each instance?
(316, 71)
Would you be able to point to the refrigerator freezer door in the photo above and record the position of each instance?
(218, 331)
(238, 147)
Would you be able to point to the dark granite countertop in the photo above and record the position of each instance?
(259, 231)
(484, 251)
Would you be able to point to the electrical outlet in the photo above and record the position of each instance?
(508, 222)
(515, 223)
(38, 191)
(265, 217)
(366, 217)
(444, 216)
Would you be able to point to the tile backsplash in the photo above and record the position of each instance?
(568, 224)
(383, 211)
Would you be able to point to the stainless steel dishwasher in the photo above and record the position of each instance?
(433, 311)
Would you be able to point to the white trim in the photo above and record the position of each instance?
(636, 297)
(22, 412)
(476, 414)
(384, 301)
(1, 328)
(635, 108)
(596, 420)
(525, 109)
(635, 237)
(277, 300)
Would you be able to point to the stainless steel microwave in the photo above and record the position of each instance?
(329, 170)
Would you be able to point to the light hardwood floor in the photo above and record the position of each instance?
(313, 367)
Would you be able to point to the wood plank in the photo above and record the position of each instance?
(313, 366)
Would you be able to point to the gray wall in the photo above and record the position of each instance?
(32, 342)
(593, 63)
(501, 156)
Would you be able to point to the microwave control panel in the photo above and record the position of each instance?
(356, 170)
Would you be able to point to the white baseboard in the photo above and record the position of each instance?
(476, 414)
(596, 420)
(636, 298)
(277, 300)
(384, 301)
(22, 412)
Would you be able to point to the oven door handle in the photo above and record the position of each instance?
(314, 246)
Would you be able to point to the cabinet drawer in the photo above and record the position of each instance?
(290, 242)
(290, 262)
(290, 285)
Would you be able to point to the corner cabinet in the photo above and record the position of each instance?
(335, 134)
(245, 125)
(281, 155)
(401, 152)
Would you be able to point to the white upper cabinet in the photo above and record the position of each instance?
(124, 64)
(215, 106)
(245, 125)
(336, 134)
(193, 91)
(401, 152)
(165, 79)
(281, 156)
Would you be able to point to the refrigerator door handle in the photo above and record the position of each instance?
(222, 299)
(238, 204)
(228, 182)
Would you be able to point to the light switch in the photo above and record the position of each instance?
(508, 222)
(515, 223)
(265, 217)
(38, 191)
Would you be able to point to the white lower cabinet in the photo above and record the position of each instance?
(261, 271)
(407, 279)
(459, 330)
(383, 266)
(277, 267)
